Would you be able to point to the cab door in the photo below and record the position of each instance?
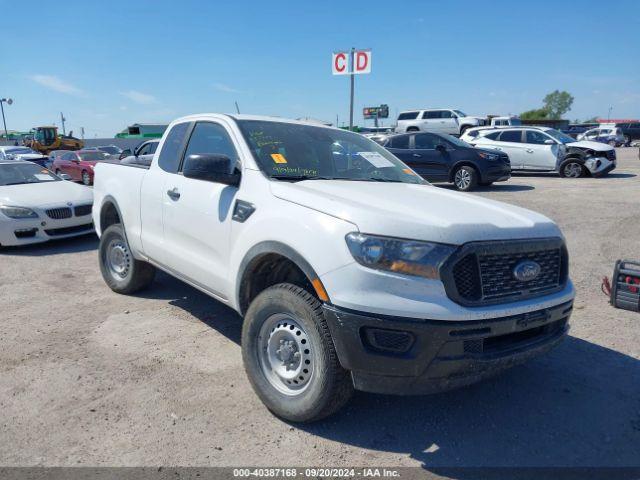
(510, 142)
(197, 215)
(430, 157)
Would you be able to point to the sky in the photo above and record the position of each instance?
(109, 64)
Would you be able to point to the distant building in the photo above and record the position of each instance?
(143, 130)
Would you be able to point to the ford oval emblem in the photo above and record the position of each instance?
(526, 270)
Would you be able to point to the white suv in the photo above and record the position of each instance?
(546, 149)
(449, 121)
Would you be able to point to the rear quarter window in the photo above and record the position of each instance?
(408, 116)
(171, 153)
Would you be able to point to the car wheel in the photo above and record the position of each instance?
(413, 129)
(572, 169)
(613, 143)
(627, 141)
(120, 270)
(465, 178)
(58, 172)
(289, 356)
(86, 178)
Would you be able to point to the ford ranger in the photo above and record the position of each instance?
(348, 269)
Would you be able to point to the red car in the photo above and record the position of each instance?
(79, 165)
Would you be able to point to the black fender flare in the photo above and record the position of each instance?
(110, 199)
(254, 254)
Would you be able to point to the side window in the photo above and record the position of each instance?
(445, 114)
(536, 137)
(208, 137)
(431, 114)
(492, 135)
(67, 156)
(513, 136)
(153, 146)
(425, 141)
(408, 116)
(401, 141)
(170, 155)
(144, 150)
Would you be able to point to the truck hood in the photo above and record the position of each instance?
(587, 144)
(42, 194)
(419, 212)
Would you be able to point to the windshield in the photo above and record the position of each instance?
(460, 114)
(456, 141)
(21, 173)
(289, 151)
(111, 149)
(561, 137)
(93, 156)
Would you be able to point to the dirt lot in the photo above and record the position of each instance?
(88, 377)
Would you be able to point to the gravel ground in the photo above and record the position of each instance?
(88, 377)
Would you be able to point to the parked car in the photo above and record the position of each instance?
(630, 131)
(506, 121)
(349, 270)
(548, 150)
(22, 153)
(141, 155)
(609, 135)
(53, 155)
(449, 121)
(443, 158)
(79, 164)
(37, 206)
(575, 130)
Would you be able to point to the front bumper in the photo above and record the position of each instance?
(395, 355)
(600, 166)
(15, 232)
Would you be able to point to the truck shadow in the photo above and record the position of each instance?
(578, 406)
(496, 187)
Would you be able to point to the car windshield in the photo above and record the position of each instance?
(289, 151)
(561, 137)
(93, 156)
(21, 173)
(456, 141)
(460, 114)
(111, 149)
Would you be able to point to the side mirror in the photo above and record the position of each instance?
(548, 141)
(65, 176)
(210, 167)
(125, 153)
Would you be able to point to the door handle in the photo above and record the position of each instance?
(417, 155)
(174, 194)
(529, 150)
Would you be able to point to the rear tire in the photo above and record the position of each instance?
(289, 356)
(465, 178)
(120, 270)
(613, 143)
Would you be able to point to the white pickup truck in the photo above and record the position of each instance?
(349, 270)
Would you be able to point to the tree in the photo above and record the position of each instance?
(535, 114)
(557, 103)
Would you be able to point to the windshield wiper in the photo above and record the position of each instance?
(16, 183)
(298, 178)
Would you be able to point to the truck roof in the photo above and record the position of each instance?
(265, 118)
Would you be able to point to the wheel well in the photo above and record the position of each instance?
(462, 164)
(267, 270)
(413, 129)
(108, 216)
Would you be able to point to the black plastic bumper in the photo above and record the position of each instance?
(403, 356)
(604, 171)
(496, 174)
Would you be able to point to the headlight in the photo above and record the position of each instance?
(488, 156)
(409, 257)
(18, 212)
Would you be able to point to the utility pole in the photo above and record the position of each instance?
(609, 114)
(62, 119)
(8, 101)
(237, 108)
(352, 82)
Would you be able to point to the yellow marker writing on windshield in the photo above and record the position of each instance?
(278, 158)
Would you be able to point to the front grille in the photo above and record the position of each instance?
(610, 154)
(54, 232)
(82, 210)
(59, 213)
(483, 273)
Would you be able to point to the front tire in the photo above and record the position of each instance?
(289, 356)
(120, 270)
(86, 178)
(465, 178)
(571, 169)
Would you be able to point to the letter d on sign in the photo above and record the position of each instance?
(362, 61)
(339, 63)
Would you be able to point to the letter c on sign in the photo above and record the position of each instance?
(339, 63)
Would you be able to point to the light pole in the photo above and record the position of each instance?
(8, 101)
(609, 114)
